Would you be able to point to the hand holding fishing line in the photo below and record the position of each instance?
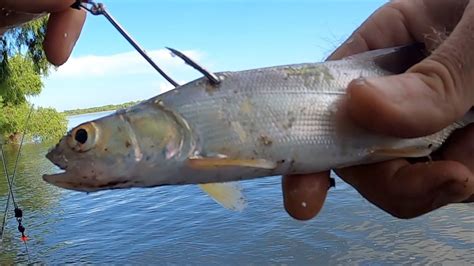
(64, 24)
(431, 95)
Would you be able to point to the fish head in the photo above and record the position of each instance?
(89, 161)
(118, 151)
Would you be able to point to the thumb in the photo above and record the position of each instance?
(428, 97)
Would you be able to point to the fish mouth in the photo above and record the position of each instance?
(73, 176)
(64, 180)
(70, 181)
(59, 161)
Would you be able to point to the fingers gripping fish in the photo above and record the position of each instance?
(238, 125)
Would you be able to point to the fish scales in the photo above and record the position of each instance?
(283, 108)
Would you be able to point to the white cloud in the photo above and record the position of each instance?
(92, 80)
(162, 86)
(128, 63)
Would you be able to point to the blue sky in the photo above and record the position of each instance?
(221, 35)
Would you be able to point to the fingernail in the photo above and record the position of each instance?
(356, 84)
(384, 86)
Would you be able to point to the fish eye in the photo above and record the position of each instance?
(83, 137)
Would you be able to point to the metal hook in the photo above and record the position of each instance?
(211, 76)
(99, 9)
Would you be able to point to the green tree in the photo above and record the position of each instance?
(23, 65)
(110, 107)
(22, 80)
(56, 124)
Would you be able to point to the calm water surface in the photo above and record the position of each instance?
(180, 225)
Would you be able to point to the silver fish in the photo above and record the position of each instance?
(255, 123)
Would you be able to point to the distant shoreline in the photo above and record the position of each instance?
(110, 107)
(93, 113)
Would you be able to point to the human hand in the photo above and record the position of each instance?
(63, 29)
(428, 97)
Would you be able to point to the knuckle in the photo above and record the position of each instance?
(401, 7)
(443, 80)
(397, 4)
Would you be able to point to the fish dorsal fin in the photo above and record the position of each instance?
(228, 194)
(396, 60)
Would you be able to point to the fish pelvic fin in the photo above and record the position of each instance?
(205, 163)
(229, 195)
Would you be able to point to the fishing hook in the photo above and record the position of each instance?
(209, 75)
(99, 9)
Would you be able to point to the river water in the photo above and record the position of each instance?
(180, 225)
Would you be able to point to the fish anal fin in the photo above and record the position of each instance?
(406, 152)
(229, 194)
(204, 163)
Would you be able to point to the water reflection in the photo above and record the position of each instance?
(180, 225)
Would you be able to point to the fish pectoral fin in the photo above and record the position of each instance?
(407, 152)
(203, 163)
(227, 194)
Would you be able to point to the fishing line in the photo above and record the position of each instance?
(18, 211)
(9, 190)
(99, 9)
(10, 181)
(25, 131)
